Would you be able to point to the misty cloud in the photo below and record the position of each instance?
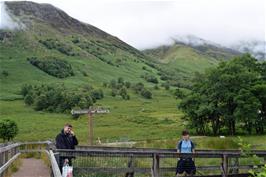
(6, 20)
(144, 23)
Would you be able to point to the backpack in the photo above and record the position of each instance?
(180, 145)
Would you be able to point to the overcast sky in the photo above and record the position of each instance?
(145, 24)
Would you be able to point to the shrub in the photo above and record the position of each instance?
(59, 46)
(127, 84)
(138, 87)
(84, 73)
(146, 94)
(105, 84)
(120, 80)
(113, 83)
(178, 93)
(8, 129)
(123, 93)
(53, 66)
(28, 99)
(5, 73)
(57, 98)
(156, 87)
(150, 78)
(166, 85)
(114, 92)
(97, 94)
(25, 89)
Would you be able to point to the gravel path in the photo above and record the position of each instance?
(31, 167)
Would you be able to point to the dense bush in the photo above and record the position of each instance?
(146, 94)
(119, 87)
(179, 94)
(5, 73)
(57, 98)
(57, 45)
(140, 89)
(150, 78)
(8, 129)
(53, 66)
(97, 94)
(166, 85)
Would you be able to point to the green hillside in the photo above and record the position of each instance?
(95, 56)
(184, 60)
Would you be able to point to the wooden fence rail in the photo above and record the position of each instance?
(160, 162)
(11, 152)
(129, 162)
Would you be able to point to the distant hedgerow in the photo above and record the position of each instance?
(52, 66)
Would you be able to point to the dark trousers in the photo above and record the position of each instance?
(185, 165)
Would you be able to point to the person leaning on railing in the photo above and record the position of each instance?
(66, 139)
(185, 164)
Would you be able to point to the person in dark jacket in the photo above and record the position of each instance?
(66, 139)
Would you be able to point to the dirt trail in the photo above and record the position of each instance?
(31, 167)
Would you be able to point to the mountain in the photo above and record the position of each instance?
(255, 47)
(198, 45)
(43, 31)
(33, 35)
(189, 54)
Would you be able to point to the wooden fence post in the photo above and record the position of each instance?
(156, 165)
(224, 166)
(130, 165)
(234, 165)
(2, 162)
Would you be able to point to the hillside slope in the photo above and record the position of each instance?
(48, 32)
(188, 55)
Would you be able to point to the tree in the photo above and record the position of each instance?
(259, 91)
(8, 129)
(247, 109)
(225, 97)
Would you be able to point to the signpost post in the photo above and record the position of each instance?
(90, 112)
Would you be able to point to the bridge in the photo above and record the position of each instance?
(128, 162)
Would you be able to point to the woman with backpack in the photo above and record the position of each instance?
(185, 164)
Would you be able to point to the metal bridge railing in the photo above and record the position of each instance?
(11, 152)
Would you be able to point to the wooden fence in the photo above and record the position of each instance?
(158, 162)
(128, 162)
(11, 152)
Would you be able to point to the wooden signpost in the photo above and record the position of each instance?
(90, 112)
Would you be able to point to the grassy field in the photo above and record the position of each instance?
(151, 124)
(137, 119)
